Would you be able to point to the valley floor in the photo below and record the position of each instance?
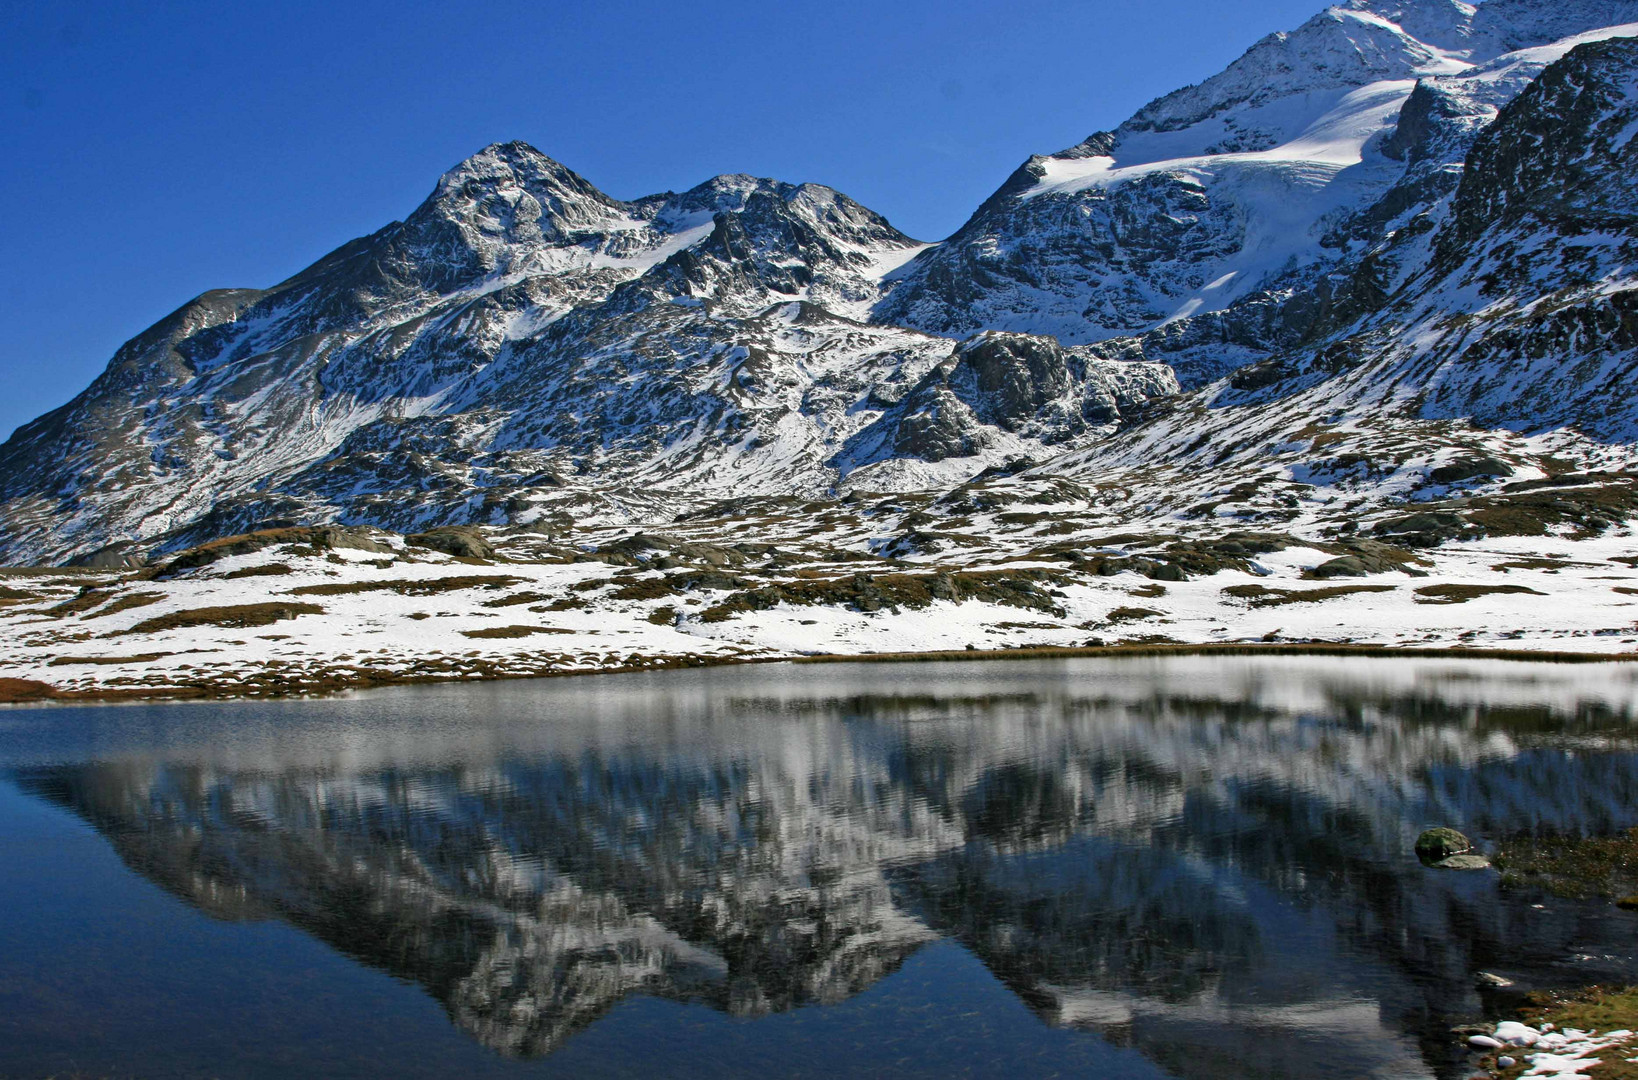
(309, 610)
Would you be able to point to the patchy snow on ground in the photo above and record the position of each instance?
(1551, 1053)
(1012, 563)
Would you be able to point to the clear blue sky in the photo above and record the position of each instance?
(151, 151)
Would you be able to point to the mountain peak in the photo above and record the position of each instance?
(1342, 47)
(513, 192)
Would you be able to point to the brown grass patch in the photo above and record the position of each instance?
(14, 690)
(513, 631)
(516, 599)
(889, 592)
(1461, 594)
(139, 658)
(645, 589)
(128, 603)
(1513, 520)
(89, 598)
(236, 617)
(421, 587)
(1262, 596)
(275, 569)
(663, 616)
(1533, 563)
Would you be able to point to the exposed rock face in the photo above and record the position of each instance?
(461, 540)
(1020, 385)
(1561, 154)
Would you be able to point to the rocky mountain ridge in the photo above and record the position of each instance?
(1406, 223)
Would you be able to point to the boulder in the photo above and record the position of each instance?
(1366, 557)
(1468, 469)
(121, 556)
(463, 541)
(1441, 843)
(1426, 529)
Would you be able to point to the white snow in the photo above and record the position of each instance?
(1552, 1053)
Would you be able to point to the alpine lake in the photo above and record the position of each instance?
(1191, 867)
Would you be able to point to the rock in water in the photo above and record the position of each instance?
(1463, 862)
(1436, 844)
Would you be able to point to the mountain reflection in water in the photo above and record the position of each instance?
(1207, 860)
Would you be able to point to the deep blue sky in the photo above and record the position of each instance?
(151, 151)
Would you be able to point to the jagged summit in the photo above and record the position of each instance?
(1346, 46)
(519, 324)
(508, 194)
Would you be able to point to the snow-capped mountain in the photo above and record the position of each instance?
(1398, 213)
(1212, 221)
(1509, 303)
(518, 331)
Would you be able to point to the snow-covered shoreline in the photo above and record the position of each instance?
(1547, 1051)
(307, 615)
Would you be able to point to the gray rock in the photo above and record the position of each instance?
(1426, 529)
(1366, 557)
(121, 556)
(1468, 468)
(1441, 843)
(463, 541)
(335, 536)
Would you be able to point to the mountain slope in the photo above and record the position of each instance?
(522, 345)
(1407, 224)
(1212, 222)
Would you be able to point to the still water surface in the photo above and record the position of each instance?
(1179, 867)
